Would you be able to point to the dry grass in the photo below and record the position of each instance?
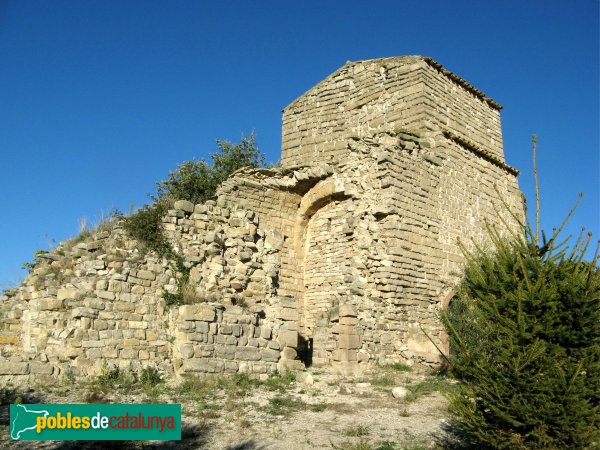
(190, 295)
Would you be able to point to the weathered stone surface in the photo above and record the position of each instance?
(274, 240)
(247, 354)
(289, 353)
(41, 368)
(290, 314)
(205, 313)
(203, 365)
(350, 321)
(13, 368)
(107, 295)
(345, 355)
(349, 341)
(266, 332)
(288, 338)
(184, 205)
(11, 340)
(65, 293)
(400, 392)
(128, 353)
(270, 355)
(347, 311)
(49, 304)
(82, 311)
(146, 275)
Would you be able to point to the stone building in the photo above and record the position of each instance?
(342, 257)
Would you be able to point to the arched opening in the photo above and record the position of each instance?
(322, 246)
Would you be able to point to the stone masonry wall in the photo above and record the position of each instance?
(99, 303)
(341, 258)
(389, 94)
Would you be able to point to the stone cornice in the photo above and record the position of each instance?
(463, 83)
(485, 154)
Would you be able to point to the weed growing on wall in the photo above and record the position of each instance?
(178, 298)
(195, 181)
(29, 266)
(145, 226)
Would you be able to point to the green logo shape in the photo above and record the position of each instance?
(68, 422)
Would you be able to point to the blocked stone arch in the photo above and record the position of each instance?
(322, 248)
(444, 338)
(322, 193)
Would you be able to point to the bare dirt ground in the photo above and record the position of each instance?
(314, 410)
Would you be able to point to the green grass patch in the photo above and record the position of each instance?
(114, 379)
(282, 405)
(383, 380)
(428, 386)
(357, 431)
(319, 407)
(280, 382)
(117, 381)
(399, 367)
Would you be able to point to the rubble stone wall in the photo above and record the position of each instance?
(99, 303)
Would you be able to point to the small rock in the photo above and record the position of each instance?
(184, 205)
(305, 377)
(347, 311)
(400, 392)
(49, 256)
(345, 389)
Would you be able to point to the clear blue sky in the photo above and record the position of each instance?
(100, 99)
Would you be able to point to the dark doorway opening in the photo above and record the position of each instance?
(305, 350)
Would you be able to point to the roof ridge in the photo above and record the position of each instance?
(430, 61)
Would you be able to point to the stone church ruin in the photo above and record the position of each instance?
(341, 258)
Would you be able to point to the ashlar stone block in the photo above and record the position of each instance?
(288, 338)
(204, 313)
(13, 368)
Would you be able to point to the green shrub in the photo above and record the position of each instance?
(399, 367)
(280, 381)
(358, 431)
(113, 378)
(319, 407)
(149, 376)
(525, 338)
(197, 181)
(427, 386)
(178, 298)
(383, 380)
(29, 266)
(145, 226)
